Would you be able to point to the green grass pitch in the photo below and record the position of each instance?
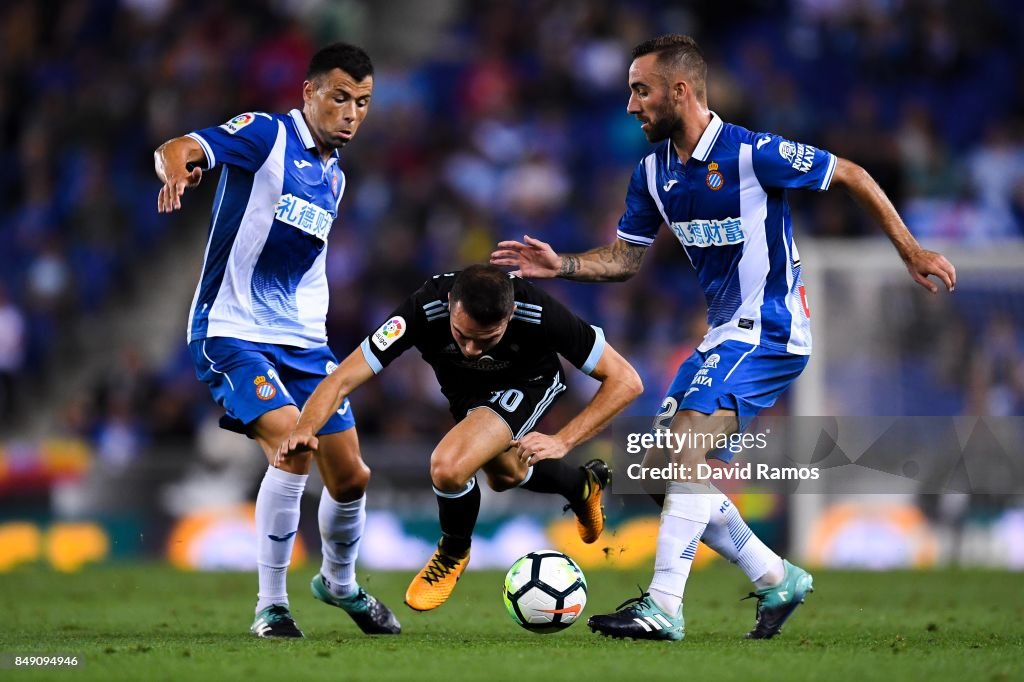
(144, 622)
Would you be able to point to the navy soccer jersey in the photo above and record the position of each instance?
(727, 207)
(263, 276)
(541, 328)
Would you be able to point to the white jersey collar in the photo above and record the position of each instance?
(707, 140)
(302, 129)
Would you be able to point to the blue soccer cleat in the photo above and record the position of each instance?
(275, 621)
(639, 618)
(370, 615)
(776, 604)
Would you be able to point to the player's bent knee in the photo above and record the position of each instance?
(447, 477)
(351, 486)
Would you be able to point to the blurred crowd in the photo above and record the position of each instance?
(499, 119)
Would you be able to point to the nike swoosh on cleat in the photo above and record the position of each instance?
(574, 610)
(348, 544)
(282, 538)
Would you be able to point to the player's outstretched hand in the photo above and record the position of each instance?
(535, 447)
(923, 263)
(175, 183)
(531, 258)
(297, 444)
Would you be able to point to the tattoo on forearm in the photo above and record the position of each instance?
(570, 265)
(611, 263)
(630, 256)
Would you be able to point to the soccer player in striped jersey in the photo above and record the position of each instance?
(256, 329)
(493, 341)
(721, 190)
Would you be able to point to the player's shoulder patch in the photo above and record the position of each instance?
(389, 332)
(243, 120)
(798, 155)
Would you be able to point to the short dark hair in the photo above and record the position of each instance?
(485, 293)
(349, 58)
(682, 52)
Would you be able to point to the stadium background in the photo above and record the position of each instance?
(489, 120)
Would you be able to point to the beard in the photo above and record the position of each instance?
(666, 123)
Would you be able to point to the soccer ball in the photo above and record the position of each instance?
(545, 591)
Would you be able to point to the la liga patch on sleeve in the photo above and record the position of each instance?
(389, 332)
(238, 122)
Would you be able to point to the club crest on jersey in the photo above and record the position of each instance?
(714, 180)
(238, 122)
(389, 332)
(704, 233)
(264, 389)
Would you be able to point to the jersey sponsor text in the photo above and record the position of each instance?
(703, 233)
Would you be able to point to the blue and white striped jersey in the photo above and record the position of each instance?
(727, 207)
(263, 274)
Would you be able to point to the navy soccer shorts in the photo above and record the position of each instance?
(520, 406)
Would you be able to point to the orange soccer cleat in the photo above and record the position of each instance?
(434, 584)
(588, 510)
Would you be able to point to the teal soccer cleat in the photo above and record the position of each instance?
(370, 615)
(776, 604)
(275, 621)
(639, 618)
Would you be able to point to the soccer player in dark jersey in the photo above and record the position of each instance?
(256, 330)
(493, 341)
(721, 190)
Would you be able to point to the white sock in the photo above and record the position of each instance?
(277, 515)
(341, 527)
(683, 519)
(729, 535)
